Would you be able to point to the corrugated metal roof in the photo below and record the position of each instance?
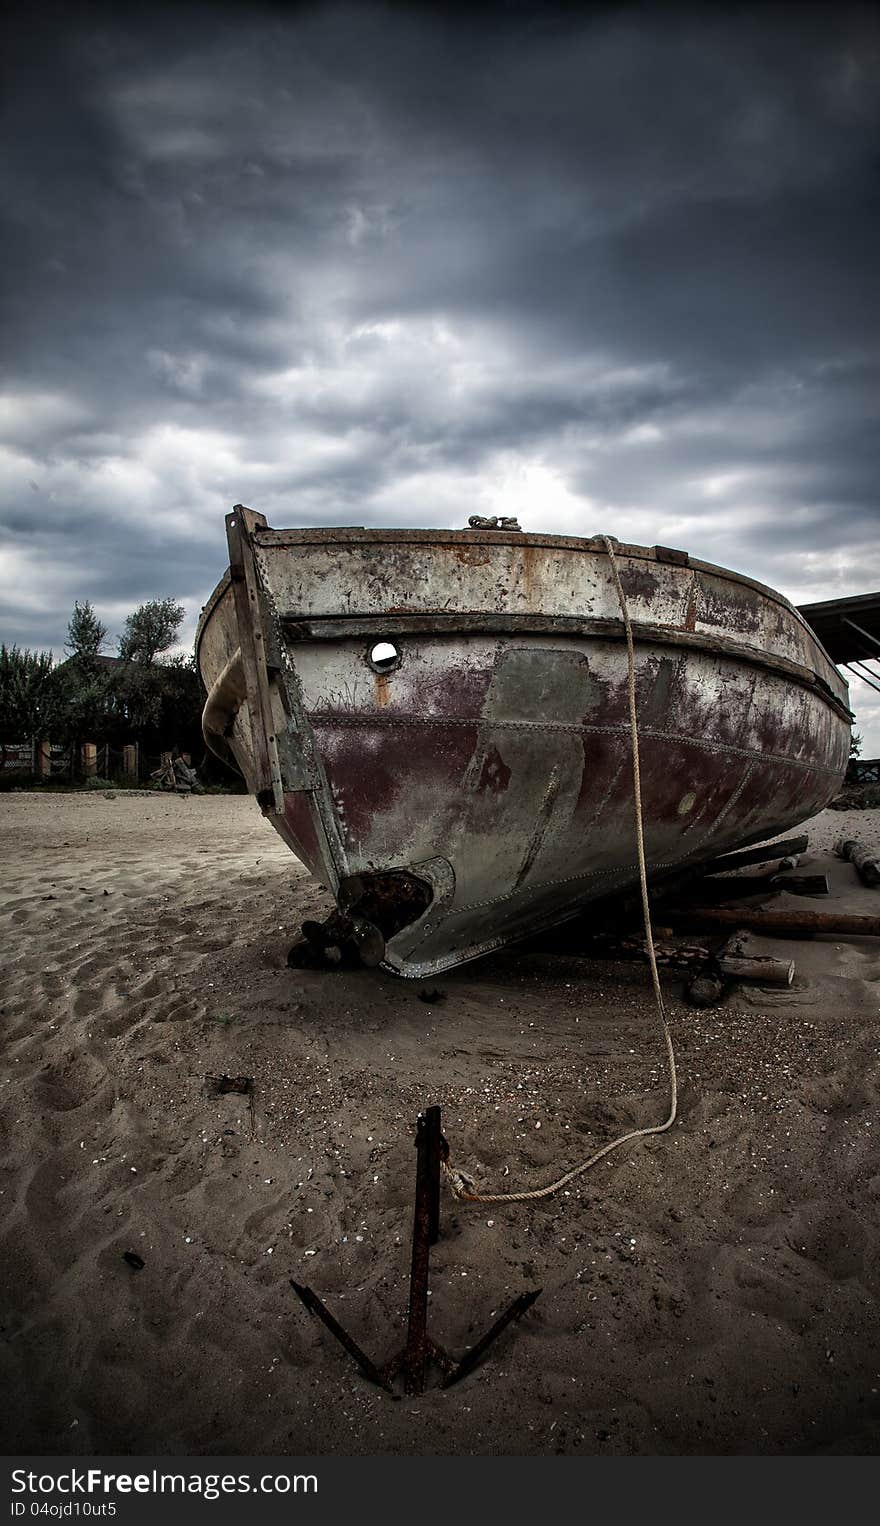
(849, 629)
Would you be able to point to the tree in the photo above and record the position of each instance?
(85, 633)
(855, 746)
(29, 696)
(144, 694)
(182, 701)
(160, 703)
(150, 630)
(83, 683)
(86, 701)
(158, 698)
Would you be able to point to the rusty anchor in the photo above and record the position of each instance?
(420, 1348)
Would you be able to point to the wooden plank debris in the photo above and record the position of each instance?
(762, 855)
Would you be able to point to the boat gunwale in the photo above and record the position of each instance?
(665, 556)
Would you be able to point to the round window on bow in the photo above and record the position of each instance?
(384, 657)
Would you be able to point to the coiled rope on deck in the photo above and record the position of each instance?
(462, 1184)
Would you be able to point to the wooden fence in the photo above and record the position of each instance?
(42, 759)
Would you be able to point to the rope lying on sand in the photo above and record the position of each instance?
(461, 1183)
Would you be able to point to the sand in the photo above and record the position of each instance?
(713, 1290)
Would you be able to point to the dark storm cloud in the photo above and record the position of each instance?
(608, 269)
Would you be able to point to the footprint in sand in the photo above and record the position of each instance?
(71, 1083)
(838, 1096)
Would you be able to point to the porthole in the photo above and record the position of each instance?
(383, 657)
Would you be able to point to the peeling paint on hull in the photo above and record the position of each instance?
(493, 760)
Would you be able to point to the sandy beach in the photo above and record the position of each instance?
(712, 1290)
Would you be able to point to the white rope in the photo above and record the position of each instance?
(463, 1185)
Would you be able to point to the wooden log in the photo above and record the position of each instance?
(784, 924)
(760, 967)
(866, 863)
(734, 962)
(755, 855)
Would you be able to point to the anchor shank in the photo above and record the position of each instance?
(425, 1220)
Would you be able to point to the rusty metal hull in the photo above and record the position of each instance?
(481, 788)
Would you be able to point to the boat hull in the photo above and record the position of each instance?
(479, 787)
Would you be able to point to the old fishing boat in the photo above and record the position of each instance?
(436, 722)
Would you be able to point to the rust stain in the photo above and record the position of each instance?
(380, 684)
(495, 774)
(638, 580)
(690, 618)
(735, 608)
(528, 575)
(472, 556)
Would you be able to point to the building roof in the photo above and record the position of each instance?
(849, 629)
(100, 659)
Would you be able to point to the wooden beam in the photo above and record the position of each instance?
(784, 924)
(761, 855)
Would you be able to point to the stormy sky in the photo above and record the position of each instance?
(609, 269)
